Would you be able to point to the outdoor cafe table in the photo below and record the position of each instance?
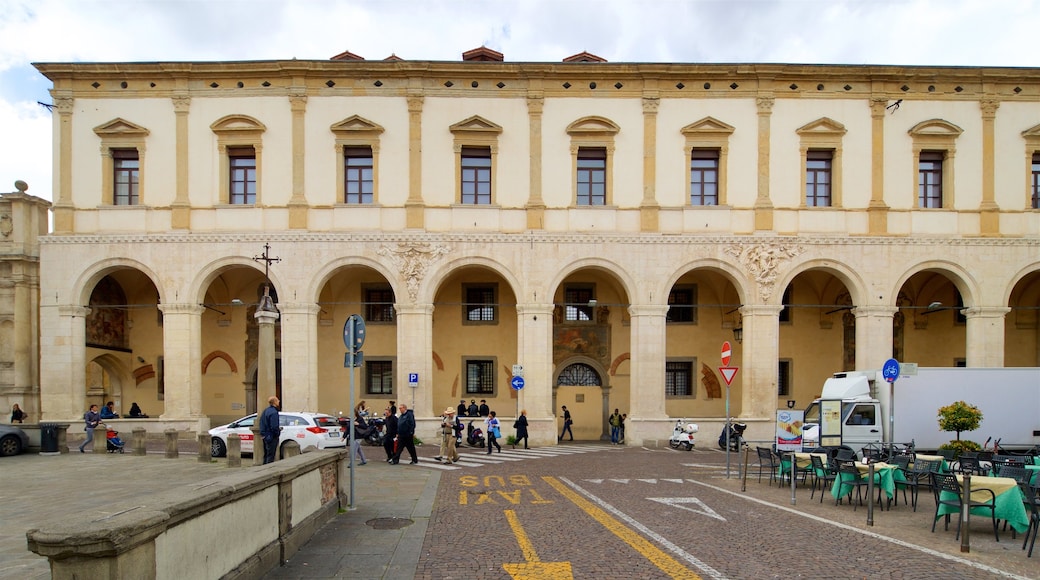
(1009, 502)
(945, 467)
(885, 476)
(801, 461)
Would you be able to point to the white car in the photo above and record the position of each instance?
(308, 430)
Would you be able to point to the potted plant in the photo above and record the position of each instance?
(957, 417)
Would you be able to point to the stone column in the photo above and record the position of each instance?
(414, 349)
(763, 204)
(182, 360)
(649, 208)
(985, 336)
(877, 209)
(758, 356)
(647, 419)
(63, 373)
(534, 326)
(989, 220)
(266, 315)
(873, 335)
(299, 356)
(535, 204)
(298, 201)
(414, 215)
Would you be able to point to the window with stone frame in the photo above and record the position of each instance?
(930, 179)
(480, 376)
(122, 157)
(704, 177)
(475, 168)
(678, 378)
(592, 176)
(1035, 182)
(592, 154)
(934, 150)
(379, 376)
(818, 178)
(820, 148)
(707, 148)
(242, 176)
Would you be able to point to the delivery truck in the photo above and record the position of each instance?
(873, 411)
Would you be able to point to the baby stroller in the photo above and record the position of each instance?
(114, 443)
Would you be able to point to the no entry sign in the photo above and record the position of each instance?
(727, 352)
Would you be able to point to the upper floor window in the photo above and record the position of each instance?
(379, 304)
(126, 178)
(678, 379)
(682, 305)
(480, 377)
(818, 178)
(122, 156)
(480, 304)
(592, 176)
(577, 306)
(379, 376)
(704, 177)
(475, 167)
(1036, 182)
(242, 175)
(358, 185)
(930, 179)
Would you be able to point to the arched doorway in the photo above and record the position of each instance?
(579, 386)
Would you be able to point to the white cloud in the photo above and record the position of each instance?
(25, 147)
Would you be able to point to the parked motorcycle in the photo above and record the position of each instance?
(459, 428)
(474, 436)
(682, 435)
(736, 436)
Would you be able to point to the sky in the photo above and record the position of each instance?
(898, 32)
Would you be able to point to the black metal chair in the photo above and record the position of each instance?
(850, 475)
(767, 460)
(920, 475)
(1032, 502)
(1019, 474)
(902, 463)
(969, 465)
(824, 474)
(948, 482)
(845, 454)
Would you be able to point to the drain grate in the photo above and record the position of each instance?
(389, 523)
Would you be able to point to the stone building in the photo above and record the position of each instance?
(605, 225)
(23, 219)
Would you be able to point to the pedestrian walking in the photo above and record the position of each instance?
(91, 419)
(270, 429)
(492, 428)
(361, 430)
(521, 428)
(17, 414)
(566, 424)
(390, 437)
(449, 454)
(615, 427)
(405, 435)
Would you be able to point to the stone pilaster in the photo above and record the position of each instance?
(299, 355)
(535, 203)
(763, 203)
(647, 417)
(298, 202)
(989, 220)
(985, 336)
(181, 206)
(877, 209)
(182, 353)
(414, 205)
(63, 207)
(534, 327)
(63, 362)
(649, 208)
(415, 355)
(873, 335)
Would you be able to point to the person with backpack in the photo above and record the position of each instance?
(615, 427)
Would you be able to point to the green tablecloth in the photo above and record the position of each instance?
(885, 476)
(1008, 504)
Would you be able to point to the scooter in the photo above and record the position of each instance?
(682, 435)
(459, 428)
(736, 436)
(474, 436)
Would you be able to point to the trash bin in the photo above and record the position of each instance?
(48, 438)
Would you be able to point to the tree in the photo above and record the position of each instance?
(959, 416)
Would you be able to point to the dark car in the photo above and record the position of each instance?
(12, 440)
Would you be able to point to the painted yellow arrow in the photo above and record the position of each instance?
(533, 568)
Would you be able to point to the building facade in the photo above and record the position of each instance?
(605, 226)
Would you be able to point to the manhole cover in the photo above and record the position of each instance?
(389, 523)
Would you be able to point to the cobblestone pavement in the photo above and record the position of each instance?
(641, 513)
(478, 457)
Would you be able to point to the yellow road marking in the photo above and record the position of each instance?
(655, 555)
(533, 569)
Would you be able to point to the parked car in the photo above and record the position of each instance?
(308, 430)
(12, 440)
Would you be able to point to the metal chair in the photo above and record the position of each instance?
(766, 460)
(948, 482)
(823, 474)
(920, 475)
(902, 463)
(970, 465)
(1019, 474)
(850, 475)
(1032, 503)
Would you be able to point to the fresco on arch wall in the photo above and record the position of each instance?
(591, 340)
(106, 323)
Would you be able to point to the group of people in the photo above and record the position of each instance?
(473, 410)
(492, 428)
(617, 427)
(93, 417)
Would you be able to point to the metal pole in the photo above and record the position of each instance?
(743, 477)
(965, 524)
(794, 499)
(350, 359)
(727, 430)
(870, 494)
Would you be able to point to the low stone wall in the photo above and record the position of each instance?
(239, 525)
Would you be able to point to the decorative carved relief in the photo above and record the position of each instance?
(6, 224)
(412, 260)
(763, 261)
